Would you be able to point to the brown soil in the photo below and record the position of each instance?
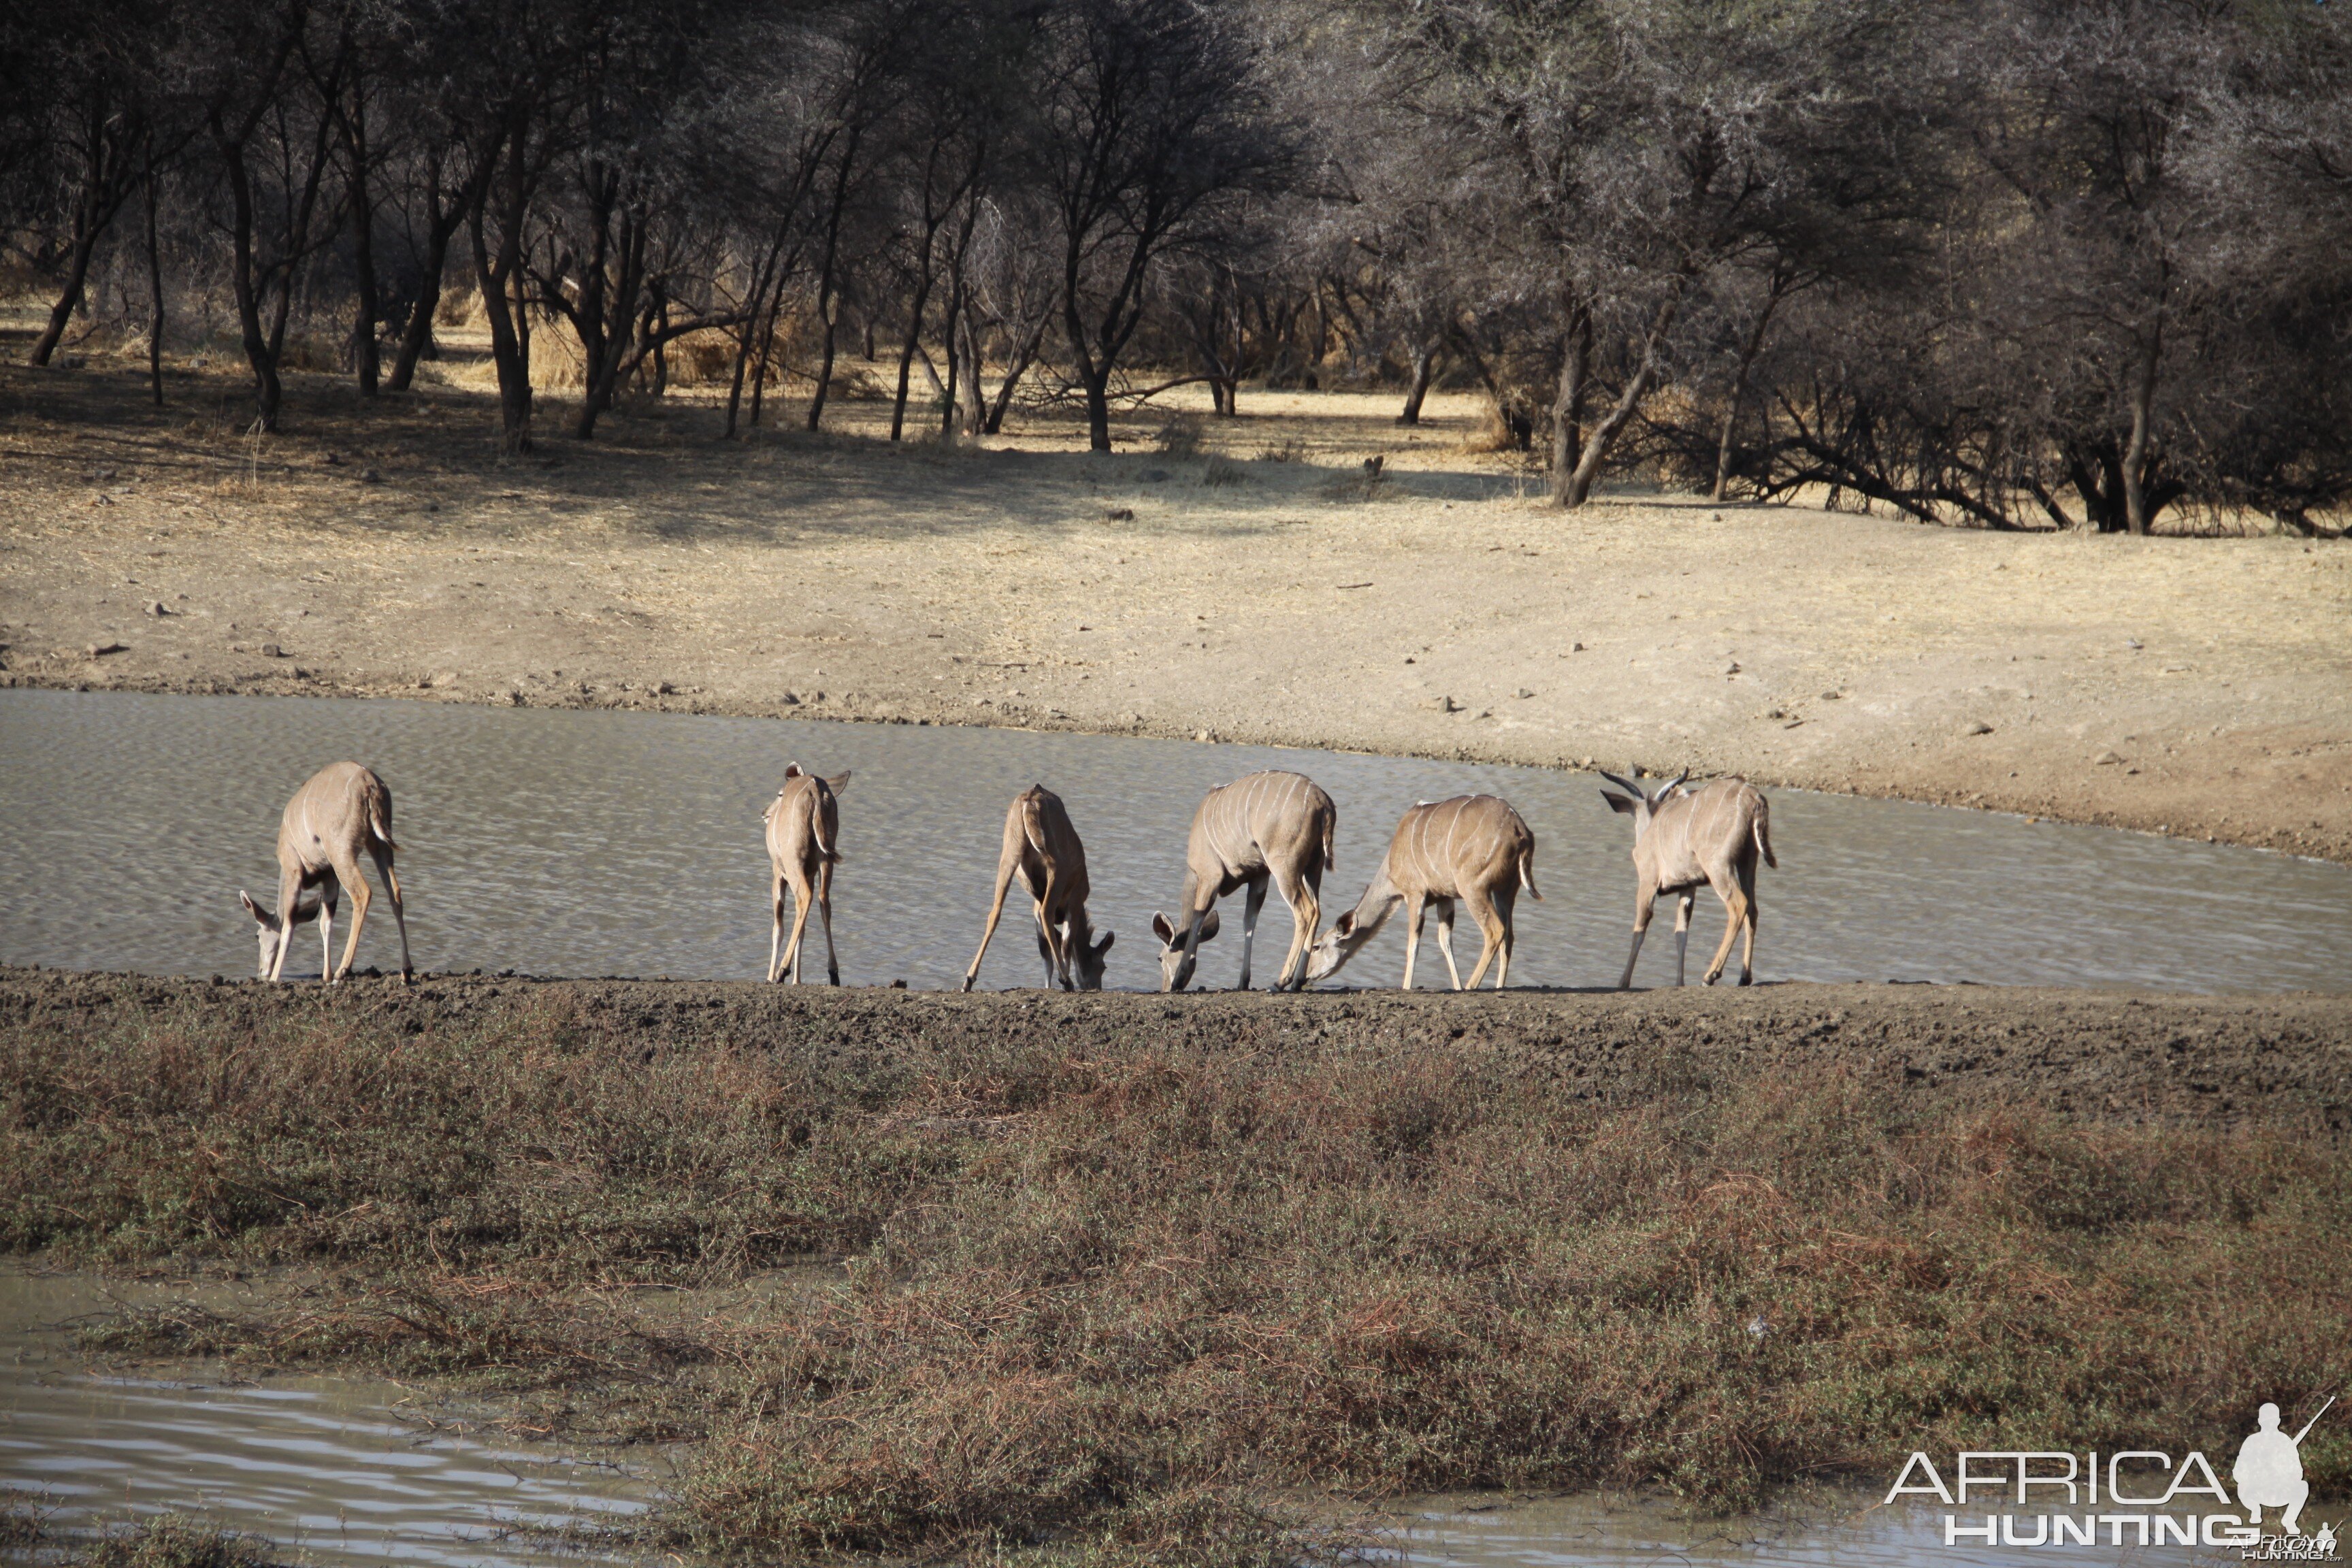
(1267, 594)
(2282, 1061)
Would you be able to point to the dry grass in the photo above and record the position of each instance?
(1110, 1300)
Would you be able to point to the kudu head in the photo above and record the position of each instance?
(1337, 945)
(1087, 958)
(1641, 807)
(269, 924)
(1175, 957)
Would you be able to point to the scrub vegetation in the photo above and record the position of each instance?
(1088, 1278)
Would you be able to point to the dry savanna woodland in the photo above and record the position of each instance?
(1951, 402)
(1940, 402)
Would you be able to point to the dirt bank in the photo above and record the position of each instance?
(2100, 1057)
(1263, 592)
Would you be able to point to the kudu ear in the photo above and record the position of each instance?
(1164, 930)
(1616, 802)
(792, 770)
(261, 917)
(1209, 923)
(1104, 946)
(838, 782)
(1345, 926)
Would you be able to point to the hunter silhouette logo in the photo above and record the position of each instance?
(2269, 1471)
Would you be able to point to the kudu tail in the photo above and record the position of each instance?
(380, 823)
(1328, 826)
(816, 828)
(1032, 826)
(1763, 832)
(1527, 872)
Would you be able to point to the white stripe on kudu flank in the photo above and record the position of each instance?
(1270, 827)
(1474, 850)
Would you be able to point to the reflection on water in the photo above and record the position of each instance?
(604, 843)
(320, 1464)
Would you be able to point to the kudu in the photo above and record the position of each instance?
(1473, 849)
(1042, 847)
(343, 812)
(1269, 826)
(803, 827)
(1682, 838)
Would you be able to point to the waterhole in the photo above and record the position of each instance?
(582, 843)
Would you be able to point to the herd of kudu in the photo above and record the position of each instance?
(1270, 827)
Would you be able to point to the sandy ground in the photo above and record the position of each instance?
(2282, 1061)
(1262, 591)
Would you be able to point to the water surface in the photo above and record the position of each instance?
(595, 842)
(339, 1468)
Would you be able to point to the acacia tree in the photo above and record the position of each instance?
(272, 144)
(94, 124)
(620, 254)
(1149, 113)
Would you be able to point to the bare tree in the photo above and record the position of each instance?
(1149, 112)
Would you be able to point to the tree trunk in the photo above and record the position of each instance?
(906, 348)
(267, 394)
(155, 295)
(1097, 386)
(1425, 371)
(2135, 464)
(1024, 355)
(1579, 488)
(363, 324)
(828, 301)
(507, 351)
(824, 372)
(1568, 405)
(955, 369)
(61, 313)
(1748, 352)
(417, 338)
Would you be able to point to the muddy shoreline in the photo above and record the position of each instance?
(2097, 1056)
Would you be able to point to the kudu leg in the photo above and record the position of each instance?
(776, 934)
(347, 872)
(1490, 937)
(1506, 905)
(1045, 949)
(399, 911)
(825, 918)
(1253, 901)
(1735, 916)
(1305, 914)
(1683, 907)
(326, 937)
(1445, 938)
(1645, 903)
(1052, 943)
(1414, 909)
(802, 894)
(1748, 953)
(289, 895)
(995, 913)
